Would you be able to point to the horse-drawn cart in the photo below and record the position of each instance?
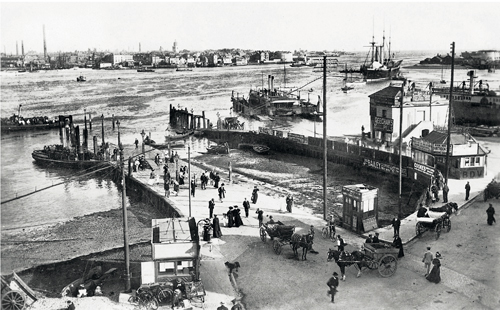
(436, 222)
(16, 295)
(279, 233)
(382, 257)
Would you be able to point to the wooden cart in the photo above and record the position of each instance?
(280, 234)
(16, 295)
(382, 257)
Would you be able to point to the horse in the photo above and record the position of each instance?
(304, 241)
(344, 259)
(449, 208)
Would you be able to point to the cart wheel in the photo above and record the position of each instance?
(419, 229)
(372, 264)
(438, 230)
(165, 295)
(277, 247)
(262, 235)
(324, 232)
(13, 300)
(387, 266)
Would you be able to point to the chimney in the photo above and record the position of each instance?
(17, 50)
(22, 48)
(44, 45)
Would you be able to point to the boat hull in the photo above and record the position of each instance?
(42, 158)
(11, 127)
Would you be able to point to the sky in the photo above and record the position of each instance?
(276, 25)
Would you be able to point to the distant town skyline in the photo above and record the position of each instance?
(275, 26)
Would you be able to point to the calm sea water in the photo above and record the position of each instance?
(141, 101)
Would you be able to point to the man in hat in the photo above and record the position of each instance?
(375, 239)
(332, 284)
(246, 206)
(369, 239)
(222, 307)
(211, 206)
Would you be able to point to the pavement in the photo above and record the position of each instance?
(219, 285)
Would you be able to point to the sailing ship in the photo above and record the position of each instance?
(476, 104)
(382, 65)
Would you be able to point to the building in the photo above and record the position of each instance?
(117, 59)
(467, 159)
(175, 48)
(421, 113)
(175, 251)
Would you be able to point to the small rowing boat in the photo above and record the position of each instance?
(261, 149)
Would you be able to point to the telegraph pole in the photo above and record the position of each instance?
(325, 153)
(449, 113)
(124, 209)
(400, 208)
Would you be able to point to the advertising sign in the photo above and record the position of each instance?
(383, 167)
(383, 124)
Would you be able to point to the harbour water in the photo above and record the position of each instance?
(141, 101)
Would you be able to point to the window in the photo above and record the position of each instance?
(384, 113)
(466, 161)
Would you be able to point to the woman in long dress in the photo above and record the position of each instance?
(230, 217)
(216, 227)
(435, 274)
(237, 217)
(397, 243)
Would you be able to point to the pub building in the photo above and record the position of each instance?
(467, 159)
(360, 207)
(420, 113)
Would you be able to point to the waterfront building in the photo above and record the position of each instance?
(467, 159)
(420, 114)
(117, 59)
(175, 251)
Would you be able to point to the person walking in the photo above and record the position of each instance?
(211, 206)
(216, 180)
(193, 187)
(289, 203)
(246, 206)
(260, 216)
(222, 192)
(396, 223)
(427, 260)
(255, 194)
(435, 274)
(216, 227)
(230, 217)
(467, 190)
(166, 186)
(445, 192)
(176, 188)
(333, 283)
(491, 214)
(397, 243)
(331, 226)
(136, 143)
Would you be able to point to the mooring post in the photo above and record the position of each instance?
(95, 144)
(90, 121)
(204, 120)
(113, 120)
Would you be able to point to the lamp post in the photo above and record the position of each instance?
(142, 135)
(124, 209)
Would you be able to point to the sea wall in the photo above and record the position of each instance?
(337, 151)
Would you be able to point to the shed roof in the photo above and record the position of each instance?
(388, 92)
(436, 137)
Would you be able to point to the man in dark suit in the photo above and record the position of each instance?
(246, 206)
(332, 284)
(340, 243)
(211, 206)
(396, 223)
(375, 239)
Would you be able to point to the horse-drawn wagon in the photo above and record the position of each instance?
(380, 256)
(279, 233)
(435, 221)
(16, 295)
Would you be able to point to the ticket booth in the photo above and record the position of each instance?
(360, 209)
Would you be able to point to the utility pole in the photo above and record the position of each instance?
(449, 113)
(189, 176)
(400, 208)
(325, 153)
(124, 209)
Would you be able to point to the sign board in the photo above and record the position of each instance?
(423, 169)
(297, 138)
(147, 272)
(428, 147)
(383, 167)
(370, 224)
(383, 124)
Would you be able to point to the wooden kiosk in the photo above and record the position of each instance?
(360, 210)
